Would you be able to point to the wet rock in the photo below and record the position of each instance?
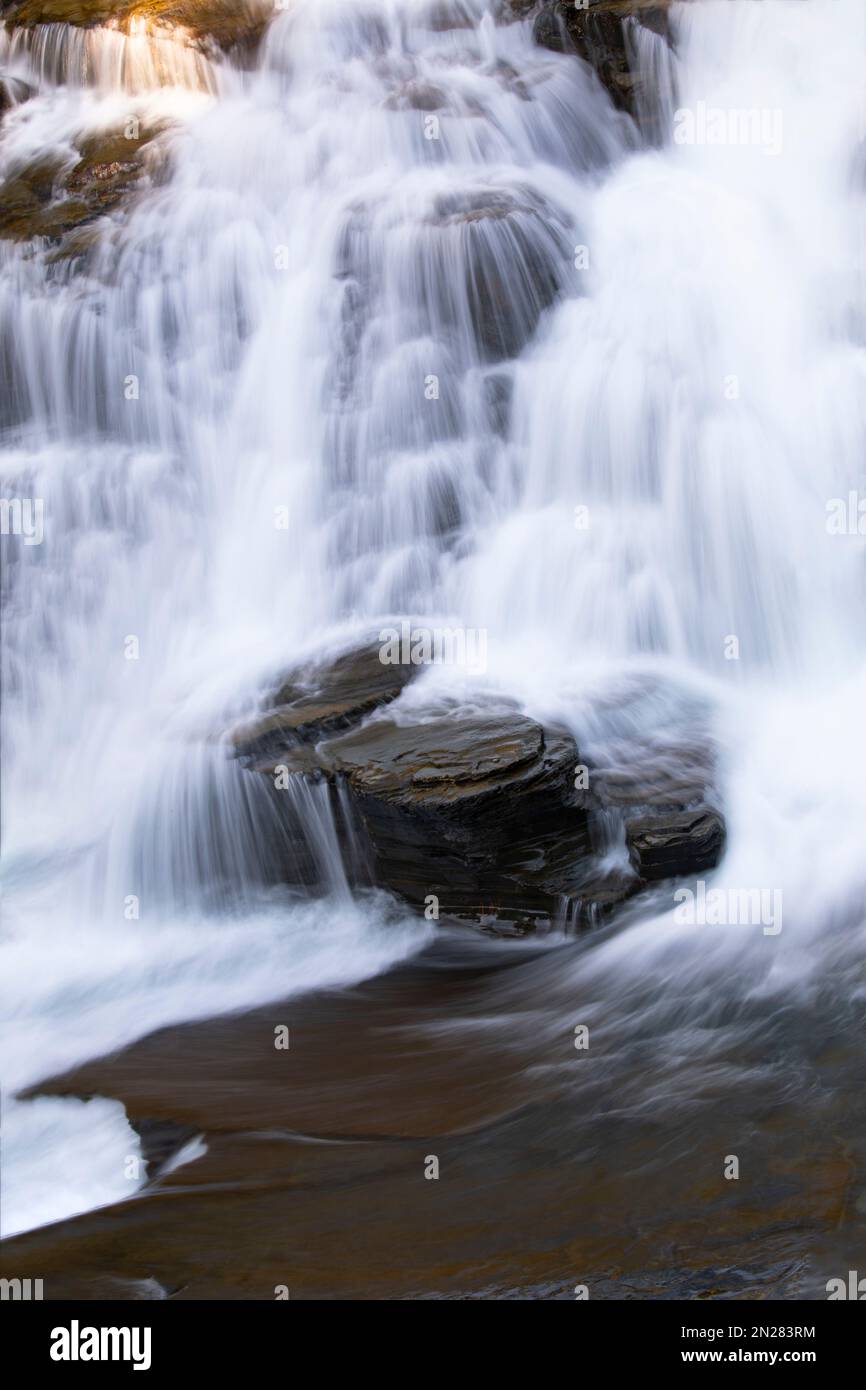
(467, 808)
(109, 168)
(226, 23)
(452, 1044)
(657, 776)
(13, 91)
(50, 198)
(322, 699)
(161, 1140)
(418, 96)
(497, 391)
(449, 14)
(498, 264)
(25, 197)
(598, 35)
(675, 844)
(478, 808)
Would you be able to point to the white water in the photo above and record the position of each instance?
(282, 299)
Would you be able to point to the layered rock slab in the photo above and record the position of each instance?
(481, 814)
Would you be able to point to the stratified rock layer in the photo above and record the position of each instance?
(482, 813)
(669, 846)
(467, 808)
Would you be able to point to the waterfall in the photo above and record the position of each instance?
(407, 319)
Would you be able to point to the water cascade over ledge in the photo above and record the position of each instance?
(397, 315)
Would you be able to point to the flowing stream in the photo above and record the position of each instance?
(411, 322)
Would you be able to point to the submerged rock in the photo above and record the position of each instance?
(599, 35)
(496, 261)
(417, 96)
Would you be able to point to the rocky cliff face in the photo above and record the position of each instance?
(598, 33)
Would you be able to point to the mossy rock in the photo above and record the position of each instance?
(51, 197)
(26, 196)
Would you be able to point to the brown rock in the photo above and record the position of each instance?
(48, 198)
(13, 91)
(226, 23)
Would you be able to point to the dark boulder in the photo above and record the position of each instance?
(479, 809)
(675, 844)
(161, 1141)
(475, 810)
(661, 784)
(417, 96)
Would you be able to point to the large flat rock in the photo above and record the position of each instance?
(552, 1170)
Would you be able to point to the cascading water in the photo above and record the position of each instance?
(412, 286)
